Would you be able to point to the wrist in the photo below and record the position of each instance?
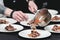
(7, 12)
(11, 14)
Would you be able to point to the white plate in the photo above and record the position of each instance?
(43, 34)
(9, 20)
(49, 28)
(53, 12)
(2, 28)
(30, 17)
(1, 15)
(55, 20)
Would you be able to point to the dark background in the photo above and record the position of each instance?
(51, 4)
(23, 5)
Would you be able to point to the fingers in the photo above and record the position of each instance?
(23, 15)
(16, 17)
(33, 9)
(19, 16)
(32, 6)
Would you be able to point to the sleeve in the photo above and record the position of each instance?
(29, 0)
(2, 7)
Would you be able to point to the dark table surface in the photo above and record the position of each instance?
(15, 36)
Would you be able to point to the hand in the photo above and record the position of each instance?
(32, 6)
(19, 16)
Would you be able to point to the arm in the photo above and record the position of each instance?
(32, 6)
(3, 9)
(17, 15)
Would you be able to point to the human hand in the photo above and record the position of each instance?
(32, 6)
(19, 16)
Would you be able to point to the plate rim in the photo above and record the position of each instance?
(51, 31)
(33, 38)
(10, 18)
(55, 20)
(27, 14)
(12, 31)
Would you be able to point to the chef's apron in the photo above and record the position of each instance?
(51, 4)
(17, 5)
(39, 3)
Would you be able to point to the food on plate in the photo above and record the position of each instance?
(10, 28)
(34, 34)
(3, 21)
(55, 18)
(56, 28)
(41, 18)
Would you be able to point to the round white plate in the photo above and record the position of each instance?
(55, 20)
(30, 17)
(2, 28)
(53, 12)
(43, 34)
(49, 28)
(9, 20)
